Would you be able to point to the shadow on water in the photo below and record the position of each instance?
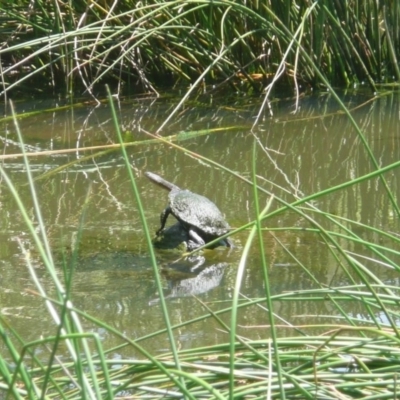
(297, 155)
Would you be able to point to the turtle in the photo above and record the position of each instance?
(198, 214)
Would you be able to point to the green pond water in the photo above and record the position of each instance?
(297, 155)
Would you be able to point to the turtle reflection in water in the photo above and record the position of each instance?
(200, 217)
(196, 280)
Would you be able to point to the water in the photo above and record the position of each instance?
(297, 155)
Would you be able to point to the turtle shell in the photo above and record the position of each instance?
(198, 212)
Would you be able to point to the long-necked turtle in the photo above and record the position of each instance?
(199, 215)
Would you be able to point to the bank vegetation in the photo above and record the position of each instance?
(70, 47)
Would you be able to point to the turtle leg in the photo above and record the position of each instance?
(228, 242)
(196, 241)
(163, 218)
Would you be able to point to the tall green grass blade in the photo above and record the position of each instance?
(269, 303)
(235, 298)
(391, 49)
(149, 243)
(45, 252)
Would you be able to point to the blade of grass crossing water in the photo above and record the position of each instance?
(148, 239)
(235, 300)
(90, 389)
(264, 265)
(234, 309)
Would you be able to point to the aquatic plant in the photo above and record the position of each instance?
(76, 46)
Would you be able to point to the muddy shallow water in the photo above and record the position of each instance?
(297, 155)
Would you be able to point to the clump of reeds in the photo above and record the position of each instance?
(76, 45)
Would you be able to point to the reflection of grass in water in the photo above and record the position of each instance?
(357, 352)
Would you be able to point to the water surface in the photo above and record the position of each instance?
(297, 155)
